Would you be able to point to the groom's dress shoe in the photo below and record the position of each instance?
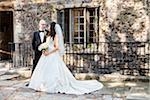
(27, 84)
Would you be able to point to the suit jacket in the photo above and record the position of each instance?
(36, 41)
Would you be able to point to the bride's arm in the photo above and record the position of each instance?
(56, 46)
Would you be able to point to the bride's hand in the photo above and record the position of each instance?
(46, 53)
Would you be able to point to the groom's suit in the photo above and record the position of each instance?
(36, 41)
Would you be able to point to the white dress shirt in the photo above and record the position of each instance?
(42, 36)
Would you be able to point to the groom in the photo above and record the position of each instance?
(38, 38)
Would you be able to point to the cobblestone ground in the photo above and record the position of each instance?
(12, 87)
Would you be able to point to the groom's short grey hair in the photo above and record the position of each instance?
(42, 21)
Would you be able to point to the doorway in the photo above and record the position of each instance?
(6, 34)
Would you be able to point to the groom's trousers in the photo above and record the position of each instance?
(35, 60)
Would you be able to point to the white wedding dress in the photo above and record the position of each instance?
(52, 75)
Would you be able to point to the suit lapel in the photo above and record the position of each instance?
(44, 39)
(38, 36)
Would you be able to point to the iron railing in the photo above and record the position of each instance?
(21, 54)
(131, 58)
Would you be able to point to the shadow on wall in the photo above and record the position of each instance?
(126, 54)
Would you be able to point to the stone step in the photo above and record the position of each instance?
(109, 77)
(138, 93)
(24, 72)
(5, 64)
(8, 77)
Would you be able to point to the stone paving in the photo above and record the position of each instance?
(12, 87)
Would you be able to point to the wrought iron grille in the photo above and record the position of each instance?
(21, 54)
(131, 58)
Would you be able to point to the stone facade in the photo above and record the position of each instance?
(125, 20)
(120, 20)
(27, 17)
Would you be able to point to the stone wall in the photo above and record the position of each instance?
(27, 17)
(124, 20)
(120, 21)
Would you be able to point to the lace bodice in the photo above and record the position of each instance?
(50, 42)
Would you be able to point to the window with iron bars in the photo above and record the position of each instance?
(80, 25)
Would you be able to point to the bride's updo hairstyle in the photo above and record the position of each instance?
(52, 32)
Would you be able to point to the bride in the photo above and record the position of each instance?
(52, 75)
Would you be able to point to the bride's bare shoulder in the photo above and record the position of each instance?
(48, 37)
